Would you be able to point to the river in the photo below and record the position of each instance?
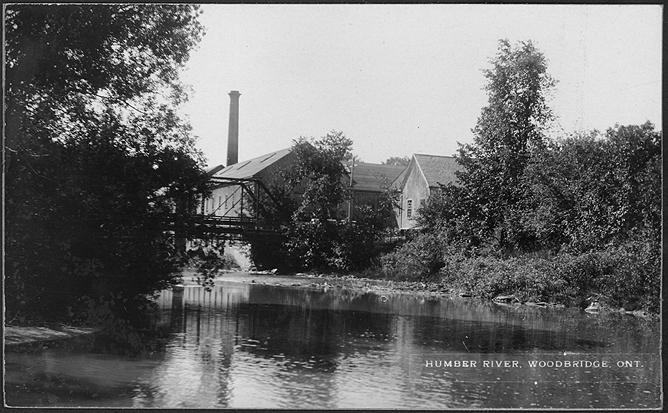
(259, 346)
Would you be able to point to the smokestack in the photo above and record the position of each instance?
(233, 131)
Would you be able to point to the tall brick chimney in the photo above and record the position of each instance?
(233, 131)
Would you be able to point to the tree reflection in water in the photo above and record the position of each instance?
(246, 345)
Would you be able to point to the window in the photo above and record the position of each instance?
(220, 201)
(409, 208)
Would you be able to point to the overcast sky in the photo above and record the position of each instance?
(400, 79)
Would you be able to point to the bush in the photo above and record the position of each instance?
(529, 279)
(332, 245)
(309, 244)
(625, 276)
(631, 276)
(418, 258)
(358, 244)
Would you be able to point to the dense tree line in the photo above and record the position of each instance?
(579, 193)
(96, 157)
(580, 204)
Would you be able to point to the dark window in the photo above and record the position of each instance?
(409, 208)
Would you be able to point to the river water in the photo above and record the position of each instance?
(248, 345)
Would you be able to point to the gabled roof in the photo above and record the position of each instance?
(438, 170)
(250, 168)
(399, 181)
(374, 177)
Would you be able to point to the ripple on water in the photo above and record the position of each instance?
(264, 347)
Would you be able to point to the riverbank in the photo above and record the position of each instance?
(382, 287)
(327, 282)
(20, 338)
(621, 277)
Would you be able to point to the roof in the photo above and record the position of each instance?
(438, 169)
(250, 168)
(213, 169)
(399, 181)
(374, 177)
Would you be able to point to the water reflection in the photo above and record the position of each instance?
(260, 346)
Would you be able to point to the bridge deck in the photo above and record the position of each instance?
(211, 225)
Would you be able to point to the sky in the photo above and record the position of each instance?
(404, 79)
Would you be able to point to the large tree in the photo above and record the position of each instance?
(96, 156)
(317, 174)
(317, 233)
(510, 128)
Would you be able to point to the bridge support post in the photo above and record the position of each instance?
(257, 203)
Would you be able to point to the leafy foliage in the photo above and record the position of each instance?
(618, 276)
(317, 233)
(97, 159)
(585, 202)
(318, 175)
(419, 258)
(508, 130)
(588, 190)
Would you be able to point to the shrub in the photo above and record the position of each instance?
(488, 277)
(630, 276)
(418, 258)
(332, 245)
(309, 244)
(626, 276)
(358, 244)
